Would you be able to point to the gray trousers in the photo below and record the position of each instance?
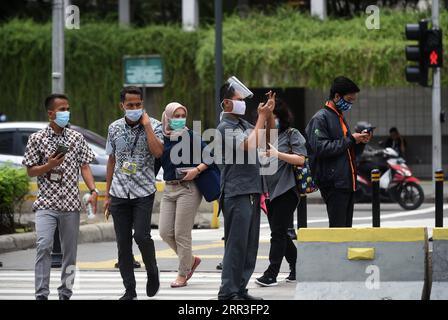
(241, 233)
(46, 222)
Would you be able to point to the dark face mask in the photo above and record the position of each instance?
(343, 105)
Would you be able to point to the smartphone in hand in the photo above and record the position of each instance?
(61, 149)
(368, 130)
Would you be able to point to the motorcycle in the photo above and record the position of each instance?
(397, 183)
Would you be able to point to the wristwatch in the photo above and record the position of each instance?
(94, 190)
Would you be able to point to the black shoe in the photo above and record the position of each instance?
(129, 295)
(266, 281)
(41, 298)
(62, 297)
(136, 265)
(246, 296)
(153, 283)
(56, 260)
(291, 277)
(219, 266)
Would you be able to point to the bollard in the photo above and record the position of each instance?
(439, 178)
(375, 178)
(56, 254)
(302, 212)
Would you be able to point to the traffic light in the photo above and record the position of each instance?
(428, 53)
(416, 53)
(434, 48)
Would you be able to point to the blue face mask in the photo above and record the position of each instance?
(343, 105)
(178, 123)
(62, 118)
(134, 115)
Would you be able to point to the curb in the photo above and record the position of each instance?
(101, 232)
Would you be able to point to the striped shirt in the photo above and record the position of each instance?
(120, 142)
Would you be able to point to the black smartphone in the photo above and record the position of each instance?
(61, 149)
(369, 129)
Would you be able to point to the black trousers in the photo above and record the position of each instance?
(128, 214)
(280, 211)
(340, 204)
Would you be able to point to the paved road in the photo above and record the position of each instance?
(96, 260)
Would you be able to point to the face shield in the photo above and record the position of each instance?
(239, 87)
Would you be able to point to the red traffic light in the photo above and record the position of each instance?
(433, 58)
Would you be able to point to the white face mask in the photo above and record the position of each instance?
(239, 107)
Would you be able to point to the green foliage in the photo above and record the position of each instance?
(93, 66)
(286, 49)
(293, 49)
(14, 185)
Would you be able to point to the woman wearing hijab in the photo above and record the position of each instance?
(181, 198)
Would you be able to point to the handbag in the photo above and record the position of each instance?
(302, 174)
(209, 183)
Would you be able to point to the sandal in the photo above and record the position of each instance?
(177, 284)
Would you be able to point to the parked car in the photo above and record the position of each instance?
(14, 137)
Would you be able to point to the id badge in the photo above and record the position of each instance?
(129, 168)
(55, 175)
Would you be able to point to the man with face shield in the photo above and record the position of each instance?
(241, 187)
(55, 156)
(133, 143)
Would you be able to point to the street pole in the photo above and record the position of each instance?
(57, 72)
(436, 104)
(57, 75)
(218, 56)
(124, 16)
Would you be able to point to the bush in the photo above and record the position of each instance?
(14, 185)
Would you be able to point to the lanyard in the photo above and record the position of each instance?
(137, 135)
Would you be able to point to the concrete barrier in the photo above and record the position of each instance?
(439, 288)
(362, 263)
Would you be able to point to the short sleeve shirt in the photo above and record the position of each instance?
(120, 143)
(60, 196)
(241, 171)
(289, 141)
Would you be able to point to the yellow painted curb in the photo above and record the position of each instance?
(361, 253)
(361, 234)
(440, 234)
(215, 220)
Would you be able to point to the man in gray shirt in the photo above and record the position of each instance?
(241, 187)
(133, 143)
